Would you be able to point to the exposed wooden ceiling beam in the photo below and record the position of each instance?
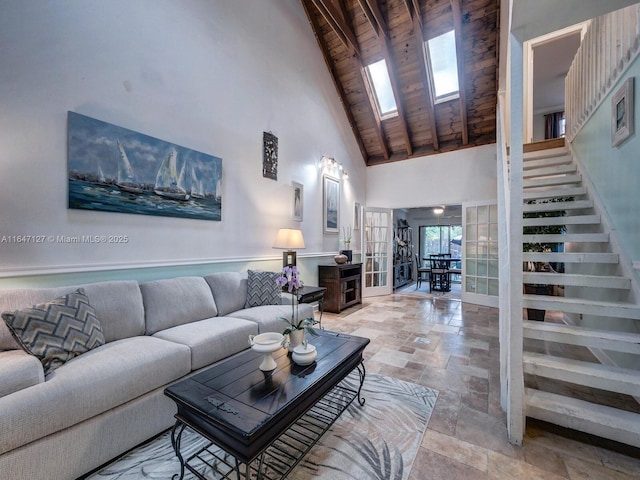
(457, 25)
(334, 76)
(425, 70)
(377, 22)
(334, 17)
(374, 15)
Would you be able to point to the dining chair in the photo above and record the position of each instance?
(421, 270)
(439, 273)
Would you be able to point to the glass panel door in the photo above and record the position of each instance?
(377, 245)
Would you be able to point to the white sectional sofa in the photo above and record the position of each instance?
(106, 401)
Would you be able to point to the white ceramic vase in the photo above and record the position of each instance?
(295, 338)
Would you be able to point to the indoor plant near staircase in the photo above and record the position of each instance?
(542, 247)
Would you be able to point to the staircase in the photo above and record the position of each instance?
(562, 387)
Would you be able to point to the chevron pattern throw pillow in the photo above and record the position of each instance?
(57, 331)
(262, 289)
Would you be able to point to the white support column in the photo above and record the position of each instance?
(515, 378)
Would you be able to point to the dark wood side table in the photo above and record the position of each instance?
(343, 283)
(309, 294)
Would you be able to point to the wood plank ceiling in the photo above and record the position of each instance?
(355, 33)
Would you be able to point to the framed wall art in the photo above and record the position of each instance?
(269, 156)
(298, 201)
(622, 113)
(356, 216)
(330, 205)
(113, 169)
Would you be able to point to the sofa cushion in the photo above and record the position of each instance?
(176, 301)
(90, 384)
(262, 289)
(58, 330)
(229, 290)
(19, 370)
(270, 318)
(118, 305)
(212, 339)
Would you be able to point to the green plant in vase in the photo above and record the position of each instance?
(289, 280)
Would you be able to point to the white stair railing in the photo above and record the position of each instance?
(611, 43)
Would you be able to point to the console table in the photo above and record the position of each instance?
(343, 283)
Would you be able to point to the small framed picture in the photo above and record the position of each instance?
(622, 113)
(298, 201)
(356, 216)
(330, 205)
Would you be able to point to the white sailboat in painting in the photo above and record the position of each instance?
(168, 183)
(126, 181)
(197, 190)
(101, 178)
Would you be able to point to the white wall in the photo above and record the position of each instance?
(467, 175)
(208, 75)
(614, 171)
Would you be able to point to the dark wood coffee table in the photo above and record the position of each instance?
(266, 422)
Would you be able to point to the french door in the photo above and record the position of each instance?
(377, 248)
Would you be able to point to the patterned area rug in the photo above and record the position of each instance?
(376, 441)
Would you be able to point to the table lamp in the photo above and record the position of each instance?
(289, 238)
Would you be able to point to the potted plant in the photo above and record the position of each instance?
(289, 280)
(536, 288)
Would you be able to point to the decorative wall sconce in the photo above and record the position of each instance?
(330, 163)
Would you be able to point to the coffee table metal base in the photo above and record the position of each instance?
(282, 455)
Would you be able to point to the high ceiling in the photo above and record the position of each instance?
(355, 33)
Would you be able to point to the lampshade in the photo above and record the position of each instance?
(289, 238)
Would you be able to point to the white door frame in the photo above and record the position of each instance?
(528, 63)
(377, 254)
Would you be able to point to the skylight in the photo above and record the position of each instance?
(379, 77)
(444, 64)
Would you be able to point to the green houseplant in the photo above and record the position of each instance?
(540, 247)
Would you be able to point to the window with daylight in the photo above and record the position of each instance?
(381, 83)
(444, 66)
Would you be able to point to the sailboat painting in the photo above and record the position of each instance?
(114, 169)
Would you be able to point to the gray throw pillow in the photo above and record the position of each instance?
(56, 331)
(262, 289)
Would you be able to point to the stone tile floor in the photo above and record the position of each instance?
(437, 341)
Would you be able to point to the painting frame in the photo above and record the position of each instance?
(330, 205)
(117, 170)
(297, 201)
(356, 215)
(622, 113)
(269, 156)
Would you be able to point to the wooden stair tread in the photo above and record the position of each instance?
(582, 305)
(565, 220)
(544, 153)
(557, 206)
(546, 161)
(587, 337)
(566, 237)
(572, 257)
(594, 375)
(577, 280)
(546, 182)
(554, 192)
(548, 171)
(607, 422)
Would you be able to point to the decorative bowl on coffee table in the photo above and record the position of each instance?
(266, 343)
